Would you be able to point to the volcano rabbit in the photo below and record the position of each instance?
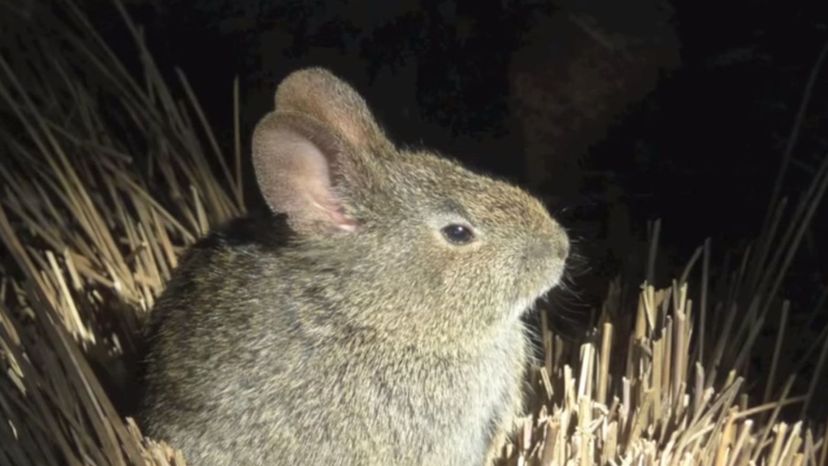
(373, 319)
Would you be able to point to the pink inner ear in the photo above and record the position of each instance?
(295, 178)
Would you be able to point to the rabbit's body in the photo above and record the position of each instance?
(364, 327)
(314, 387)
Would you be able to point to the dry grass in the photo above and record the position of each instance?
(106, 181)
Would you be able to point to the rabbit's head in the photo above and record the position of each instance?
(406, 243)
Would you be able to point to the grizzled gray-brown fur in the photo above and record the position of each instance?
(373, 319)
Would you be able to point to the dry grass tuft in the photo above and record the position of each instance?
(106, 181)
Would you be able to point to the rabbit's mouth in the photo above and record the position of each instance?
(527, 302)
(524, 307)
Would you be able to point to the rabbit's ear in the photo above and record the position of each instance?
(317, 93)
(296, 160)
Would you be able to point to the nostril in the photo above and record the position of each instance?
(542, 249)
(543, 257)
(563, 248)
(536, 249)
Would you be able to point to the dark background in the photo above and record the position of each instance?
(615, 112)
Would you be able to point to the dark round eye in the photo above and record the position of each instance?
(458, 234)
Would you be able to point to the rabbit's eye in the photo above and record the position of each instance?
(458, 234)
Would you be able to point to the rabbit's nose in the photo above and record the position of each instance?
(562, 246)
(552, 242)
(548, 247)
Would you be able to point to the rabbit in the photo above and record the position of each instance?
(371, 317)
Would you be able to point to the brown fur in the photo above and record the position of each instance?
(349, 331)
